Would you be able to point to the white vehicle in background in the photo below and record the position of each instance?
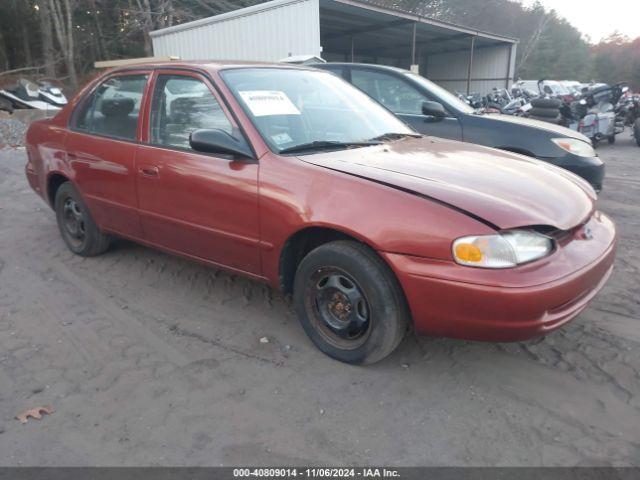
(544, 87)
(573, 86)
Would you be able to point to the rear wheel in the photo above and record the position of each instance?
(636, 131)
(611, 139)
(78, 230)
(350, 303)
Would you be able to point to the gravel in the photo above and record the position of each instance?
(179, 377)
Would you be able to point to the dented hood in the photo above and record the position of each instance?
(501, 188)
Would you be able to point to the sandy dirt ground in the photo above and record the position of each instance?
(149, 359)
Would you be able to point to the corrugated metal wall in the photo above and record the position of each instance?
(270, 34)
(490, 66)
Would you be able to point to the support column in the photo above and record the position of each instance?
(509, 67)
(469, 72)
(352, 49)
(413, 43)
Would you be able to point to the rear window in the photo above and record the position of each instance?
(113, 108)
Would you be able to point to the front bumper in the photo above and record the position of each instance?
(515, 304)
(591, 168)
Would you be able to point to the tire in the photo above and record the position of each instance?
(546, 103)
(544, 112)
(555, 120)
(350, 303)
(611, 139)
(78, 230)
(636, 131)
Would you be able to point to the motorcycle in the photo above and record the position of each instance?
(474, 99)
(502, 101)
(594, 114)
(628, 114)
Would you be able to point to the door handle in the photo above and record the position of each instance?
(149, 170)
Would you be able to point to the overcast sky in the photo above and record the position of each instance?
(598, 18)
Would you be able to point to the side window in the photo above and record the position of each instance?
(114, 107)
(182, 104)
(392, 92)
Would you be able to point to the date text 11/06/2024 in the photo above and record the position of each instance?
(315, 473)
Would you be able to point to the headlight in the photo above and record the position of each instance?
(504, 250)
(577, 147)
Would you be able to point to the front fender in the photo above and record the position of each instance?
(295, 195)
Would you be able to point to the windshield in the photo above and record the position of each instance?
(440, 94)
(302, 109)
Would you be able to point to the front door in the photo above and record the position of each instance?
(405, 101)
(201, 205)
(101, 147)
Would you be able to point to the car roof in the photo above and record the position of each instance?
(368, 65)
(209, 65)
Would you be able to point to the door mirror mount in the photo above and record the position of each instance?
(433, 109)
(220, 142)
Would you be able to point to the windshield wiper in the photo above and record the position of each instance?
(327, 145)
(394, 136)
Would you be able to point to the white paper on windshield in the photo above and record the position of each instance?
(281, 138)
(263, 103)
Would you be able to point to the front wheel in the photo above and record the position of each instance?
(611, 139)
(636, 131)
(350, 303)
(78, 230)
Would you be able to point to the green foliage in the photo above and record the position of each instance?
(617, 59)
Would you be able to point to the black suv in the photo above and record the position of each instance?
(432, 110)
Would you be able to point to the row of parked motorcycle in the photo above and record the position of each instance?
(599, 111)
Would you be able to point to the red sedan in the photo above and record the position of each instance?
(291, 176)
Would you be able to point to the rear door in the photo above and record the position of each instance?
(101, 148)
(405, 100)
(201, 205)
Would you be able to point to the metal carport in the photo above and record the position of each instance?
(456, 57)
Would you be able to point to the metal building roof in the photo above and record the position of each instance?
(373, 22)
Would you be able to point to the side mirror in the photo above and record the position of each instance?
(433, 109)
(219, 141)
(547, 89)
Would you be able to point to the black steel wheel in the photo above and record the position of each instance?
(338, 307)
(349, 302)
(78, 230)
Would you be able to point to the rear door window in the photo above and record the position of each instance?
(113, 109)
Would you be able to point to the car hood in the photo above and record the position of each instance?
(503, 189)
(557, 130)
